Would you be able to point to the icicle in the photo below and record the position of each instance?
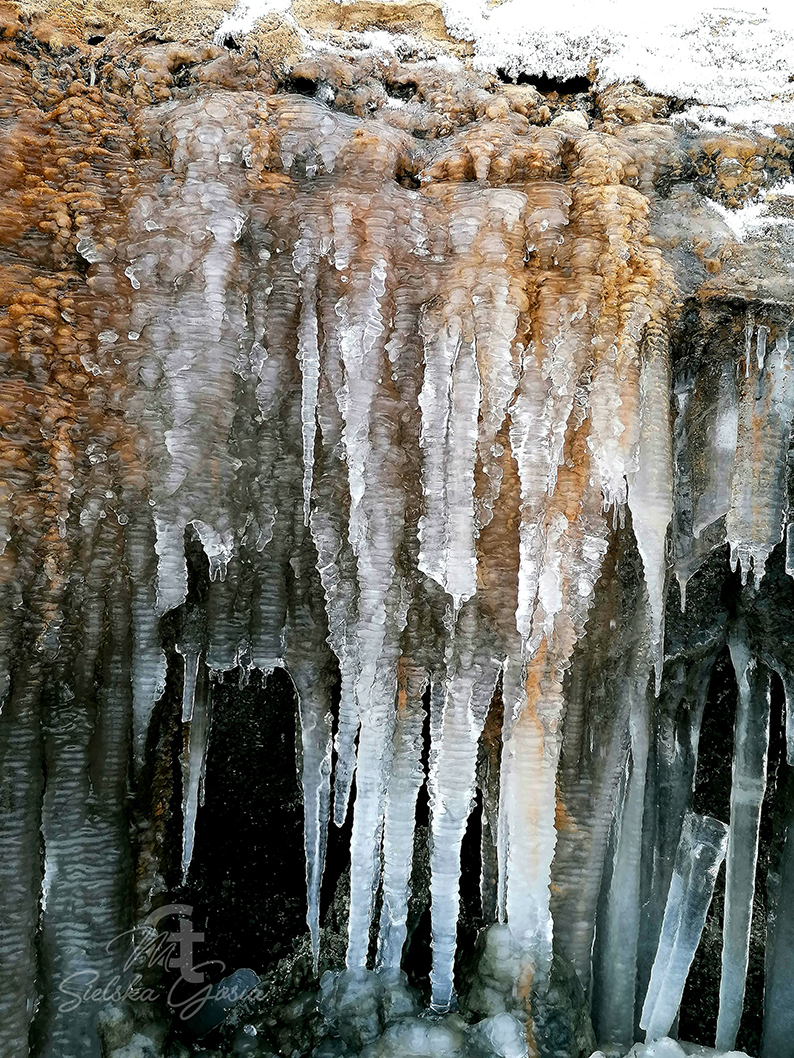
(758, 488)
(750, 748)
(374, 759)
(450, 401)
(651, 487)
(614, 1015)
(488, 783)
(315, 722)
(189, 683)
(336, 563)
(749, 324)
(528, 804)
(405, 781)
(310, 665)
(720, 451)
(497, 297)
(194, 763)
(760, 346)
(676, 725)
(148, 659)
(472, 671)
(701, 850)
(527, 440)
(304, 259)
(337, 573)
(778, 1033)
(533, 699)
(171, 568)
(21, 789)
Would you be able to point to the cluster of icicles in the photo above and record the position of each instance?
(449, 395)
(404, 424)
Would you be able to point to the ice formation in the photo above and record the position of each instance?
(452, 392)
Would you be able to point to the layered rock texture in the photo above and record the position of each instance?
(464, 403)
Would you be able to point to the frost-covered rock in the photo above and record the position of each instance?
(140, 1046)
(358, 1004)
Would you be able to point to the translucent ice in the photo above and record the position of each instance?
(700, 853)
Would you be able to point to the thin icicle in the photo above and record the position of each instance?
(750, 748)
(310, 665)
(305, 261)
(313, 692)
(192, 658)
(148, 659)
(194, 763)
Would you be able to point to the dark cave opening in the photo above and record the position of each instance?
(561, 86)
(247, 878)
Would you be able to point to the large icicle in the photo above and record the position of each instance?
(527, 795)
(472, 671)
(450, 400)
(748, 783)
(337, 573)
(614, 1016)
(766, 409)
(407, 776)
(701, 850)
(374, 760)
(375, 528)
(310, 665)
(651, 486)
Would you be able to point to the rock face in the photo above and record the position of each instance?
(468, 405)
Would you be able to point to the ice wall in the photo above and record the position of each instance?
(409, 369)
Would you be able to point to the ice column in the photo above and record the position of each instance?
(615, 1018)
(778, 1036)
(750, 748)
(700, 852)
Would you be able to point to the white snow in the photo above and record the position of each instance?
(719, 55)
